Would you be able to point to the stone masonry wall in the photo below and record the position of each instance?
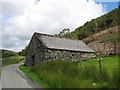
(51, 54)
(35, 52)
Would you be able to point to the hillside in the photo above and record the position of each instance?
(9, 57)
(6, 53)
(105, 42)
(101, 34)
(108, 20)
(94, 26)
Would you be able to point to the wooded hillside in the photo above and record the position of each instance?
(105, 42)
(101, 34)
(94, 26)
(108, 20)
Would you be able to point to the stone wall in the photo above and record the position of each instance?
(51, 54)
(35, 52)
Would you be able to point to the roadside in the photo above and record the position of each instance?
(37, 82)
(32, 82)
(11, 60)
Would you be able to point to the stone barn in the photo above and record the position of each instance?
(44, 48)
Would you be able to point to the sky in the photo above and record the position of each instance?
(19, 19)
(108, 6)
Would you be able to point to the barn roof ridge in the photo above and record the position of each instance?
(36, 33)
(41, 34)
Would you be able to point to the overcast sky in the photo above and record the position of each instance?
(21, 18)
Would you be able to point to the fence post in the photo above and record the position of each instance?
(100, 63)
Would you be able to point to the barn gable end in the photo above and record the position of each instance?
(35, 51)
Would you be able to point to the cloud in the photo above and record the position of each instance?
(24, 17)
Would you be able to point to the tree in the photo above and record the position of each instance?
(64, 33)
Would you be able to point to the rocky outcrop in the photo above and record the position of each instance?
(104, 48)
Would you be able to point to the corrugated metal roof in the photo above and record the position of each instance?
(64, 44)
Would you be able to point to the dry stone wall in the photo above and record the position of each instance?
(51, 54)
(35, 52)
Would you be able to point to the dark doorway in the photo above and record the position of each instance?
(33, 60)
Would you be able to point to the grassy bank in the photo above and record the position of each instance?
(11, 60)
(66, 74)
(33, 75)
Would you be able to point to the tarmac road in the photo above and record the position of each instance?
(11, 79)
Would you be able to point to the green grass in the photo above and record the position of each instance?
(32, 75)
(108, 63)
(11, 60)
(66, 74)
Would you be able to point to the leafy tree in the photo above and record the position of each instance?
(64, 33)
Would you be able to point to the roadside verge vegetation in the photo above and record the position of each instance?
(11, 60)
(67, 74)
(8, 57)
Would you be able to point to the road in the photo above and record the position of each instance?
(11, 79)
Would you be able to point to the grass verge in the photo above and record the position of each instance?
(32, 75)
(66, 74)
